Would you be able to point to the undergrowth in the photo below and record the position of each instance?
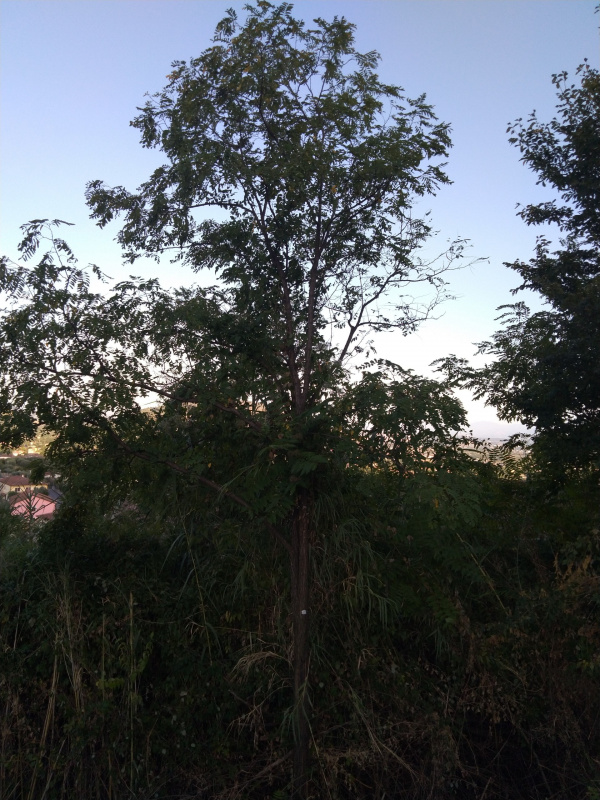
(456, 649)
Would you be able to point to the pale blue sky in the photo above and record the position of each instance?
(73, 72)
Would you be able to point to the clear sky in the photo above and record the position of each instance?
(72, 73)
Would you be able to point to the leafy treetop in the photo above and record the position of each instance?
(309, 165)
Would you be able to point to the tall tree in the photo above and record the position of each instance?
(546, 371)
(310, 166)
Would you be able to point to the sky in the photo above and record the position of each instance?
(73, 72)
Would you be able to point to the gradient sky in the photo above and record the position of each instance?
(72, 73)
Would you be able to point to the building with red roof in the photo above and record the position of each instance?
(17, 483)
(34, 506)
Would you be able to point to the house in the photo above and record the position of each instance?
(17, 483)
(34, 506)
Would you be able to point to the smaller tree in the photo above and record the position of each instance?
(546, 371)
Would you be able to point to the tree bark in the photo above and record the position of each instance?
(300, 564)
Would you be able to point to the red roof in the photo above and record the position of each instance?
(15, 480)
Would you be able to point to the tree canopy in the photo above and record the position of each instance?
(546, 371)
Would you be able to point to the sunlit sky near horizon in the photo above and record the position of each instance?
(72, 73)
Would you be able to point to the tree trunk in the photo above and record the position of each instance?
(300, 556)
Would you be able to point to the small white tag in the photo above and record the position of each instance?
(303, 611)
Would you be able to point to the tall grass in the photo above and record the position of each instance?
(455, 651)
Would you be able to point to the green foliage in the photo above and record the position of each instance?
(38, 471)
(546, 370)
(315, 168)
(455, 646)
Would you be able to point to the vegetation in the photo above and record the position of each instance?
(455, 650)
(285, 579)
(18, 465)
(546, 370)
(315, 169)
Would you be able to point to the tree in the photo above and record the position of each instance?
(546, 371)
(311, 171)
